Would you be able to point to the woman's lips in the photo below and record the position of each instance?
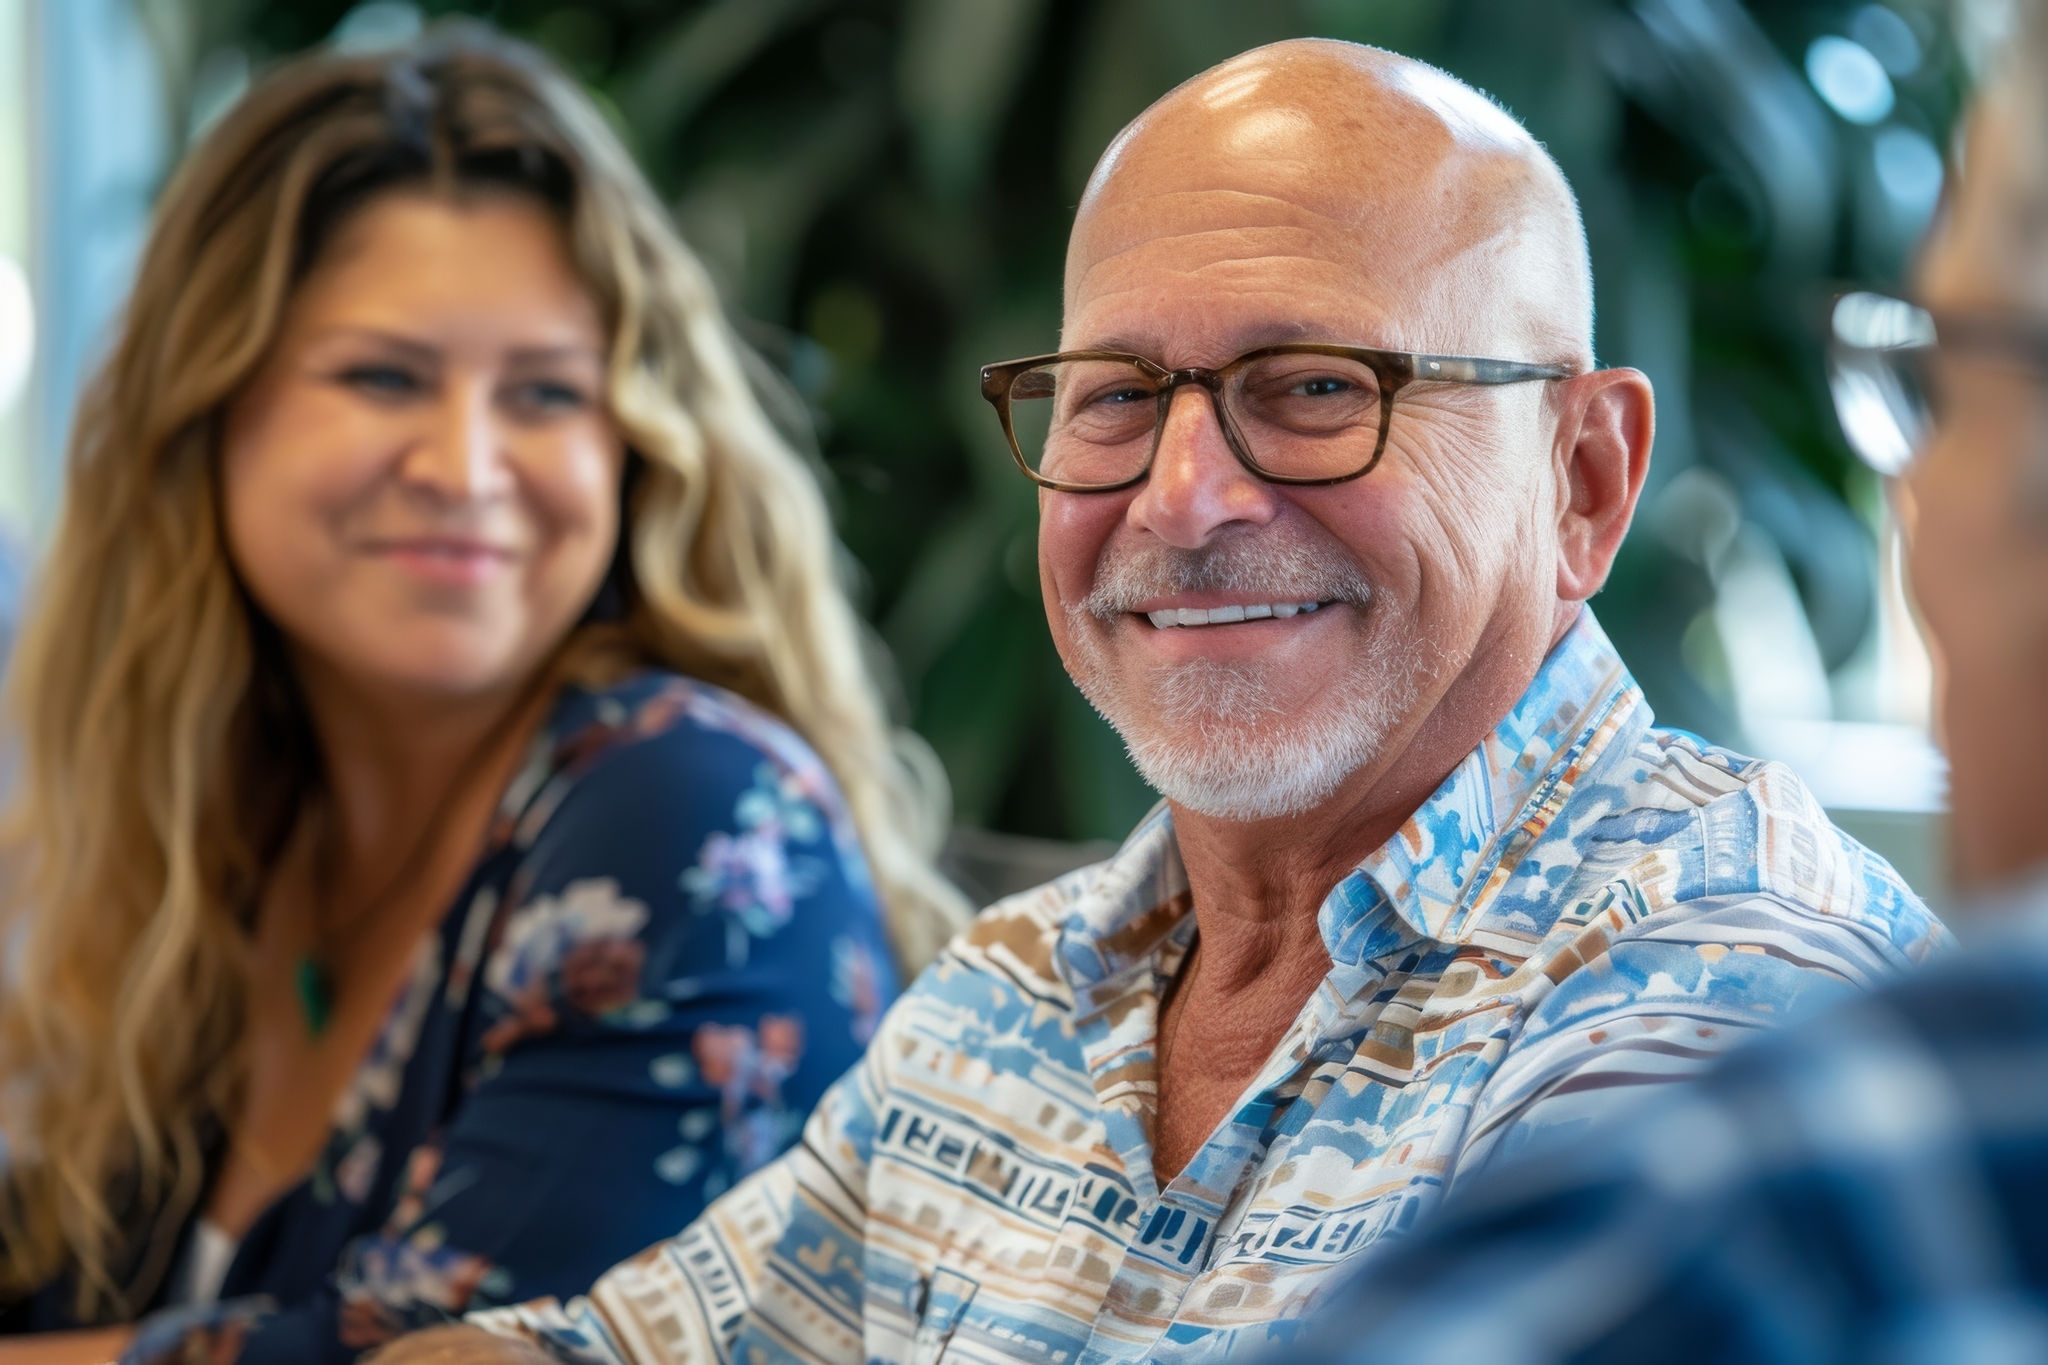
(446, 561)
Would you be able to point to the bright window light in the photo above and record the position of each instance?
(17, 331)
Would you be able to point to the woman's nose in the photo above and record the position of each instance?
(463, 453)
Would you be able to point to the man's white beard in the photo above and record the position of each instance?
(1212, 736)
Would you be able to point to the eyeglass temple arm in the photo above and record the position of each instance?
(1460, 369)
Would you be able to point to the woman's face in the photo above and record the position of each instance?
(422, 481)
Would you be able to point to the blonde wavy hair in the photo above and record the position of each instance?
(164, 753)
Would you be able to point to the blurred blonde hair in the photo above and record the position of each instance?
(164, 751)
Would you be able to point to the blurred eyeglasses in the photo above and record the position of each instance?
(1881, 368)
(1878, 358)
(1304, 413)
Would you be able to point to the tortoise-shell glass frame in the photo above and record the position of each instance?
(1395, 369)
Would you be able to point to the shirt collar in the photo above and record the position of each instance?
(1434, 872)
(1431, 875)
(1130, 906)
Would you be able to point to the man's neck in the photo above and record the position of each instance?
(1261, 883)
(1276, 872)
(1258, 889)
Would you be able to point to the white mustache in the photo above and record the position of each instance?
(1283, 567)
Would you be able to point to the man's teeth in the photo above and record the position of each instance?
(1223, 616)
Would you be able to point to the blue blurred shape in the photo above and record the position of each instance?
(377, 24)
(99, 147)
(1850, 78)
(1714, 78)
(1909, 170)
(1890, 39)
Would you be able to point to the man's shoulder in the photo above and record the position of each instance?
(1014, 943)
(1935, 1070)
(1696, 824)
(1693, 771)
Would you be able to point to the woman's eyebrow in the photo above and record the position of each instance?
(561, 351)
(416, 348)
(397, 341)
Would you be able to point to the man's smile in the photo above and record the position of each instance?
(1171, 618)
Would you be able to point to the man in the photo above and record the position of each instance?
(1425, 880)
(1871, 1185)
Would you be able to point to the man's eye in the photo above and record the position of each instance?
(384, 381)
(1321, 386)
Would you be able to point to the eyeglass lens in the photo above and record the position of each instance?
(1878, 374)
(1095, 422)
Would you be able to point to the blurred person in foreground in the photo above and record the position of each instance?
(1871, 1185)
(457, 835)
(1427, 882)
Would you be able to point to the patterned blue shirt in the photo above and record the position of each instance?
(668, 949)
(1871, 1185)
(1586, 906)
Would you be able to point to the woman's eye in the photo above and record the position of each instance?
(547, 395)
(384, 381)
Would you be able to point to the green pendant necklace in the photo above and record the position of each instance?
(313, 974)
(316, 992)
(312, 970)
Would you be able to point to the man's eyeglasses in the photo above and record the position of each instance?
(1881, 354)
(1303, 413)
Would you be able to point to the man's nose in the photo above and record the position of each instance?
(1197, 486)
(463, 454)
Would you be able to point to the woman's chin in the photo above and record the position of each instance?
(429, 666)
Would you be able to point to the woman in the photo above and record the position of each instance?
(450, 786)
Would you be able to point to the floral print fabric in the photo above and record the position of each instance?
(669, 949)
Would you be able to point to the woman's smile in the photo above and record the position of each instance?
(444, 560)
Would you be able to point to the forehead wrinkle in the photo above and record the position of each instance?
(1414, 303)
(1134, 222)
(1271, 320)
(1133, 260)
(1420, 229)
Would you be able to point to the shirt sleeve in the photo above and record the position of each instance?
(690, 953)
(1661, 999)
(1842, 1190)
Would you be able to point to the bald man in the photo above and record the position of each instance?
(1327, 474)
(1869, 1184)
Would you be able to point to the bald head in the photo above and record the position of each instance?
(1464, 227)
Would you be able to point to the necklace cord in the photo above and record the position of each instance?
(313, 972)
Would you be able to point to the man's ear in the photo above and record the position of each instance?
(1606, 422)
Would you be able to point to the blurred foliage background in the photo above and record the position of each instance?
(884, 189)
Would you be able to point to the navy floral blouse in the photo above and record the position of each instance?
(670, 947)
